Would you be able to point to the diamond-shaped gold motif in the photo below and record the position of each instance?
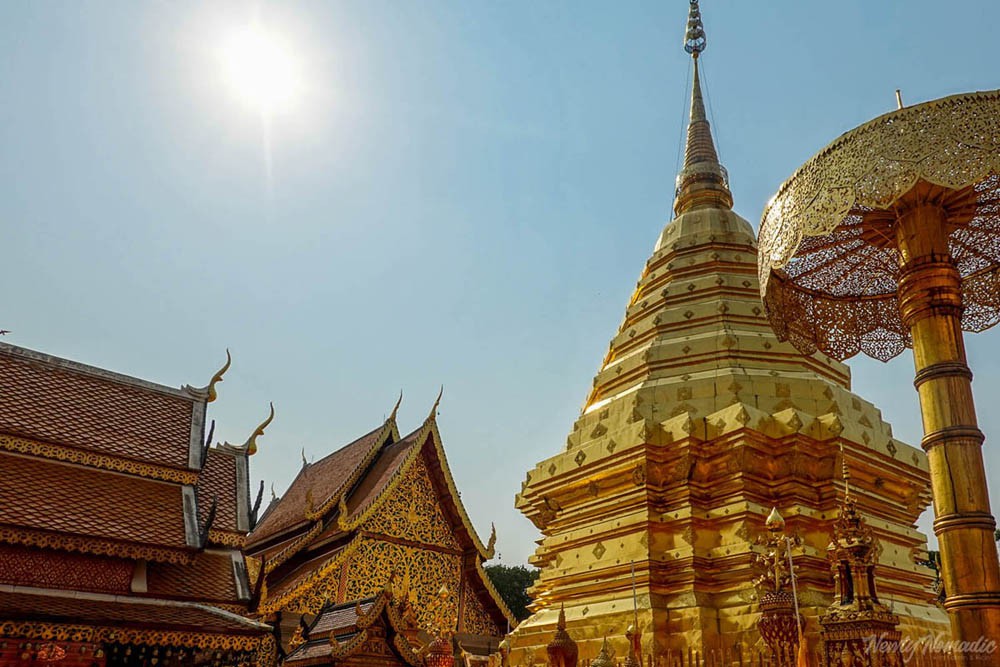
(580, 458)
(599, 551)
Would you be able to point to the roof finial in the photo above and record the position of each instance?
(437, 402)
(845, 473)
(694, 38)
(208, 392)
(702, 180)
(395, 409)
(251, 443)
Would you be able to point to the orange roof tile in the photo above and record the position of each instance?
(219, 479)
(106, 610)
(324, 479)
(211, 577)
(75, 501)
(62, 402)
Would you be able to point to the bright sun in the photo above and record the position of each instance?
(261, 70)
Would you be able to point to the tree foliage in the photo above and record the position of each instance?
(513, 582)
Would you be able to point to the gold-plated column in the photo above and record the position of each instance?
(930, 300)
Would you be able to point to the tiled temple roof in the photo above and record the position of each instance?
(322, 480)
(51, 503)
(26, 604)
(57, 401)
(214, 576)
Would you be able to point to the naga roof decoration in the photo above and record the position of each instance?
(208, 393)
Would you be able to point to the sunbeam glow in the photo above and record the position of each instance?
(262, 70)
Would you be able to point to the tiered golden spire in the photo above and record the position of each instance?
(703, 179)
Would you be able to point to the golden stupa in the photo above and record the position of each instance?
(699, 421)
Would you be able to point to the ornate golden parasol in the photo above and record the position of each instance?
(890, 238)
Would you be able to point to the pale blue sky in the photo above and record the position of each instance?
(465, 194)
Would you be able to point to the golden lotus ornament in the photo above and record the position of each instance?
(890, 238)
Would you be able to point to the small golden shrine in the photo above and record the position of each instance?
(698, 422)
(857, 624)
(120, 527)
(382, 507)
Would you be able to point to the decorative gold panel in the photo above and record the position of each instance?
(424, 571)
(412, 511)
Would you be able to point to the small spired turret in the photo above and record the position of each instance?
(857, 624)
(562, 650)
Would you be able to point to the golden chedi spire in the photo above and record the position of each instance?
(703, 179)
(698, 421)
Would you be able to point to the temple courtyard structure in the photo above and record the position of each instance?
(723, 499)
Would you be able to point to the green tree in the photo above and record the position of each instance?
(512, 583)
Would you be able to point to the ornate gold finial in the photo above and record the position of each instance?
(251, 444)
(702, 180)
(694, 37)
(310, 504)
(845, 472)
(395, 409)
(492, 543)
(437, 402)
(775, 522)
(208, 392)
(274, 496)
(304, 462)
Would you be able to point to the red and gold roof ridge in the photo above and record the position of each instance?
(418, 440)
(298, 509)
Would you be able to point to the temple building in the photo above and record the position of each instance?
(698, 422)
(381, 513)
(120, 527)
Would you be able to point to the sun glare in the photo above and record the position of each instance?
(261, 70)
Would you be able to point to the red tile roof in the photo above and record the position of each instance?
(106, 610)
(54, 497)
(53, 400)
(212, 577)
(324, 478)
(381, 472)
(218, 479)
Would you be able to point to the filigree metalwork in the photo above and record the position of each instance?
(829, 266)
(413, 511)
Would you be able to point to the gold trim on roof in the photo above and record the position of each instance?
(262, 645)
(104, 462)
(93, 545)
(292, 598)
